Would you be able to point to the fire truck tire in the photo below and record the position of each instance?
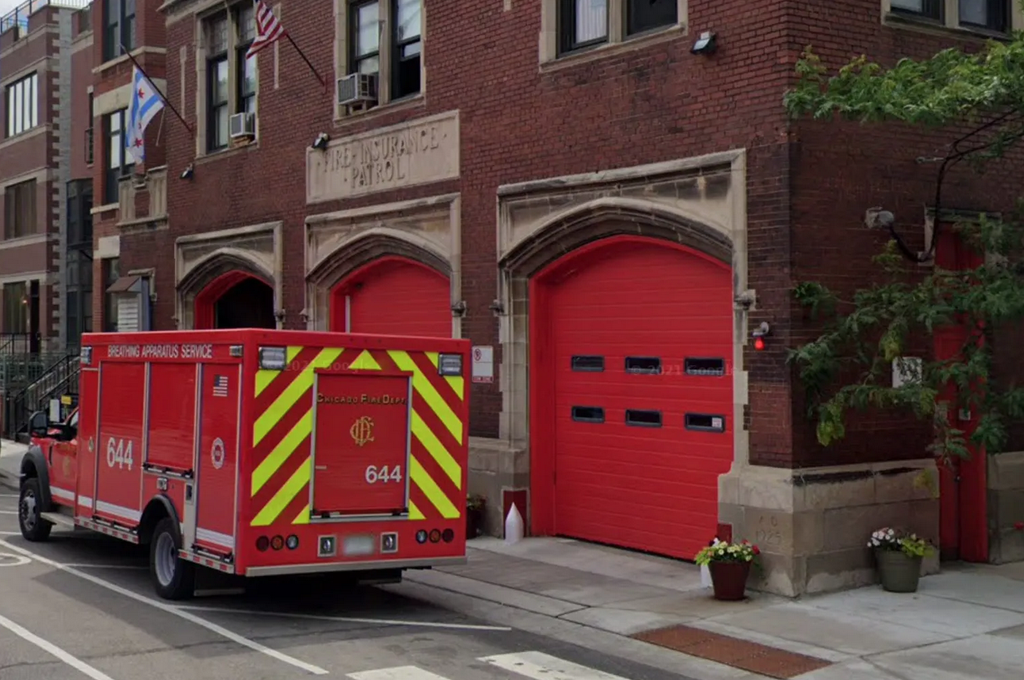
(30, 508)
(173, 577)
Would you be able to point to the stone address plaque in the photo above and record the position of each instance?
(417, 152)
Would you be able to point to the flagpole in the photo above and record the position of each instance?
(305, 59)
(165, 100)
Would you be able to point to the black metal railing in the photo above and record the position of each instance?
(58, 380)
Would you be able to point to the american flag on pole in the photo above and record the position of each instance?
(268, 28)
(220, 386)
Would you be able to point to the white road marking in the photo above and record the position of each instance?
(397, 673)
(345, 619)
(540, 666)
(19, 560)
(53, 649)
(10, 533)
(8, 512)
(82, 565)
(192, 618)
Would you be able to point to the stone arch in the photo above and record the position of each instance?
(357, 253)
(565, 231)
(213, 275)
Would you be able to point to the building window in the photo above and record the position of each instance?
(119, 163)
(118, 27)
(16, 308)
(231, 79)
(405, 55)
(585, 23)
(22, 105)
(20, 210)
(89, 134)
(386, 27)
(988, 15)
(992, 15)
(245, 69)
(366, 38)
(110, 276)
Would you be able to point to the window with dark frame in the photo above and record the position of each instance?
(118, 27)
(20, 210)
(245, 69)
(648, 15)
(21, 102)
(110, 276)
(89, 134)
(406, 47)
(582, 23)
(992, 15)
(15, 313)
(365, 23)
(119, 163)
(218, 94)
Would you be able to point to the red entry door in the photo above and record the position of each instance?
(642, 348)
(393, 296)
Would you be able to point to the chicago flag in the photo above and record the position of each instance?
(145, 104)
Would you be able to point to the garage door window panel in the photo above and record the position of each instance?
(587, 363)
(646, 365)
(705, 422)
(703, 366)
(641, 418)
(588, 414)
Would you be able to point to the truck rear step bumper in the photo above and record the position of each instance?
(322, 567)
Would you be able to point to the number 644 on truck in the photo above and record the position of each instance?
(260, 452)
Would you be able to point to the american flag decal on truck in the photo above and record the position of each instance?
(281, 434)
(220, 386)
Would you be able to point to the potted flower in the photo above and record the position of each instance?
(474, 514)
(729, 564)
(899, 555)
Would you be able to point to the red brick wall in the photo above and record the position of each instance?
(657, 104)
(841, 169)
(81, 118)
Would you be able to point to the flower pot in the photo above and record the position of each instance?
(899, 572)
(729, 579)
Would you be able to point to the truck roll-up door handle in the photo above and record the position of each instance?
(50, 454)
(321, 467)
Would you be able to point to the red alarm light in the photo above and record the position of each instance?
(759, 344)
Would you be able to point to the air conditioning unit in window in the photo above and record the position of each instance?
(357, 87)
(242, 125)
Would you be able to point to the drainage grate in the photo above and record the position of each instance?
(749, 656)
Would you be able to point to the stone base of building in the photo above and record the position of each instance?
(500, 473)
(1006, 507)
(813, 524)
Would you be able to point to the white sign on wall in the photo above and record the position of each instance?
(483, 364)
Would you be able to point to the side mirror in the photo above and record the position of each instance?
(38, 423)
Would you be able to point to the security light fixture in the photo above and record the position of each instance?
(760, 334)
(320, 143)
(188, 172)
(706, 44)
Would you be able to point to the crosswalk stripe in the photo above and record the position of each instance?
(397, 673)
(540, 666)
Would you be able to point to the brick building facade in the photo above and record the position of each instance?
(37, 49)
(509, 164)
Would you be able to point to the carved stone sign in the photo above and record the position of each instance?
(417, 152)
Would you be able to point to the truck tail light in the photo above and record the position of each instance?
(277, 542)
(292, 542)
(262, 543)
(421, 536)
(447, 535)
(273, 358)
(435, 535)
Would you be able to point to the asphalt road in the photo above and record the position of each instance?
(81, 606)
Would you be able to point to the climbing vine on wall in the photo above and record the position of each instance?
(978, 100)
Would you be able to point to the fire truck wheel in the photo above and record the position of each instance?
(173, 577)
(30, 521)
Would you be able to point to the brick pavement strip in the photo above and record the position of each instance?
(731, 651)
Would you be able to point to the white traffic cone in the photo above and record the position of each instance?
(513, 526)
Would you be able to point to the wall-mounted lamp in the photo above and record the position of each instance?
(188, 172)
(498, 307)
(760, 334)
(320, 144)
(459, 308)
(706, 44)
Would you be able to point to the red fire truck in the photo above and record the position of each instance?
(260, 452)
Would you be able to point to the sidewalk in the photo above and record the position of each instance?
(964, 623)
(10, 462)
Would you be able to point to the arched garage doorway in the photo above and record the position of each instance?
(235, 299)
(631, 394)
(393, 295)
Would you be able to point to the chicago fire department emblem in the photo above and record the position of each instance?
(362, 430)
(66, 466)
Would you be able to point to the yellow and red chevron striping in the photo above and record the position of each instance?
(281, 432)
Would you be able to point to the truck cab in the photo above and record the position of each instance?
(48, 470)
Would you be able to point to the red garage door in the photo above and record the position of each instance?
(642, 395)
(394, 296)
